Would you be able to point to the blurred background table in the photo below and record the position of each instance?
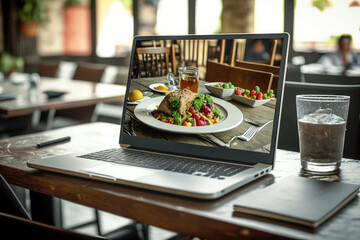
(77, 94)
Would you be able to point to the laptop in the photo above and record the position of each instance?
(173, 140)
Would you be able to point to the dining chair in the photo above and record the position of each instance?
(60, 118)
(195, 53)
(48, 68)
(91, 72)
(16, 223)
(237, 51)
(240, 77)
(15, 227)
(262, 67)
(288, 134)
(269, 48)
(154, 61)
(331, 79)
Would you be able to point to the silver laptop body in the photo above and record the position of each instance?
(135, 150)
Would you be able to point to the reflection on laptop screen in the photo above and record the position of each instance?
(197, 93)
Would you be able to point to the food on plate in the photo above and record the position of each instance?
(135, 95)
(255, 94)
(162, 88)
(228, 85)
(179, 101)
(186, 109)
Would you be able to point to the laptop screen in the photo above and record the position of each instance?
(197, 95)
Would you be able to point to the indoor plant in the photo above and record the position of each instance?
(31, 13)
(10, 63)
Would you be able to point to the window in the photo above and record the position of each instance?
(67, 32)
(208, 16)
(269, 16)
(172, 17)
(115, 27)
(318, 23)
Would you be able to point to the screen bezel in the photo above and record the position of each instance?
(204, 152)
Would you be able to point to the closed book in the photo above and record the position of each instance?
(298, 200)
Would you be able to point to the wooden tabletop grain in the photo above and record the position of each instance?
(78, 94)
(212, 219)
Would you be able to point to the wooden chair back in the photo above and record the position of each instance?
(240, 77)
(154, 61)
(21, 228)
(89, 72)
(271, 52)
(261, 67)
(237, 51)
(331, 79)
(48, 69)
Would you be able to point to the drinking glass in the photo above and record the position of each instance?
(189, 78)
(322, 124)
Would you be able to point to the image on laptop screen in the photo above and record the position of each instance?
(197, 93)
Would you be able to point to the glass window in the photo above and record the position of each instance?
(269, 16)
(172, 17)
(318, 23)
(115, 27)
(67, 31)
(208, 21)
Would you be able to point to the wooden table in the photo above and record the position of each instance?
(79, 94)
(212, 219)
(260, 142)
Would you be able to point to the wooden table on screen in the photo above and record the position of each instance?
(260, 142)
(78, 94)
(210, 219)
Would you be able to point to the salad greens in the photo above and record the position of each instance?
(198, 102)
(175, 104)
(216, 111)
(177, 117)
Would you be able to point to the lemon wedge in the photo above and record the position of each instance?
(135, 95)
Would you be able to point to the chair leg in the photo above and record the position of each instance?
(97, 222)
(9, 201)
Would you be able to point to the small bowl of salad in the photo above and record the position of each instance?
(252, 98)
(220, 89)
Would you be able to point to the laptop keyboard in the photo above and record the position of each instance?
(167, 163)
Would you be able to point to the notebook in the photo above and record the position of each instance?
(299, 200)
(173, 139)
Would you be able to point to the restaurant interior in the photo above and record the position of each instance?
(80, 47)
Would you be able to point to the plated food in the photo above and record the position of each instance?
(253, 98)
(254, 94)
(187, 109)
(220, 89)
(159, 87)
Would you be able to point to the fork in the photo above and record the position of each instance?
(246, 136)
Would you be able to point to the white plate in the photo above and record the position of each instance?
(152, 87)
(232, 118)
(219, 92)
(248, 101)
(138, 101)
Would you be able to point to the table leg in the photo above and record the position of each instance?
(50, 119)
(35, 118)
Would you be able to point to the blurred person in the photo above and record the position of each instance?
(256, 51)
(343, 57)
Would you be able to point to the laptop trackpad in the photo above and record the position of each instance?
(116, 171)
